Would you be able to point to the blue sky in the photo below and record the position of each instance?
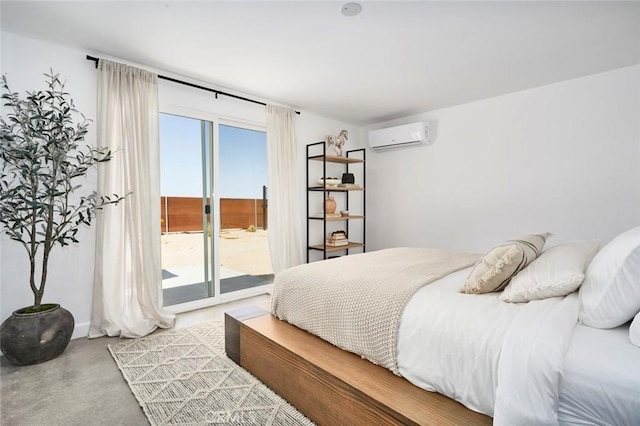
(242, 159)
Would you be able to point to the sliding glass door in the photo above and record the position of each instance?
(242, 178)
(213, 211)
(186, 146)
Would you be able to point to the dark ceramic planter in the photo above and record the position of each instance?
(32, 338)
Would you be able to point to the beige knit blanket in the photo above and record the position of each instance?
(355, 302)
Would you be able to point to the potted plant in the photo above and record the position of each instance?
(41, 206)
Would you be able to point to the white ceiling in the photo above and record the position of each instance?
(392, 60)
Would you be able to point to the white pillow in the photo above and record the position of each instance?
(558, 271)
(610, 294)
(634, 330)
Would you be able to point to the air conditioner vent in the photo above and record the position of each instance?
(403, 136)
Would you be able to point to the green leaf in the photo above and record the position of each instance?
(43, 160)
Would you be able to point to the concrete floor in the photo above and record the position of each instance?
(83, 386)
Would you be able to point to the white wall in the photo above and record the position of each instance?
(70, 282)
(563, 158)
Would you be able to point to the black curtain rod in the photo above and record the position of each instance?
(186, 83)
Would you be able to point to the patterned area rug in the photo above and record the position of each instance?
(183, 377)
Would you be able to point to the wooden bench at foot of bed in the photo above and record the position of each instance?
(329, 385)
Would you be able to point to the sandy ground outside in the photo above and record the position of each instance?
(239, 250)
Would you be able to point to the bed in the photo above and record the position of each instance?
(518, 363)
(601, 378)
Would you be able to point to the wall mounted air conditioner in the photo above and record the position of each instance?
(406, 135)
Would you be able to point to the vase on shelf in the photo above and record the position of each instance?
(329, 205)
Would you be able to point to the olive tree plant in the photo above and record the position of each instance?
(41, 165)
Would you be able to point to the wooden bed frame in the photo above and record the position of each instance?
(329, 385)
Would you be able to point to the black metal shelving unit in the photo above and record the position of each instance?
(353, 158)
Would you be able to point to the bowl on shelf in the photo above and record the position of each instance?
(329, 181)
(344, 213)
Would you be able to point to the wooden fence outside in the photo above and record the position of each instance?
(184, 214)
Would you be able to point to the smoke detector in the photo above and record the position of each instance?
(351, 9)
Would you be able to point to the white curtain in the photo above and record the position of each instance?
(127, 296)
(286, 238)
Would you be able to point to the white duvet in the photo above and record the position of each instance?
(501, 359)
